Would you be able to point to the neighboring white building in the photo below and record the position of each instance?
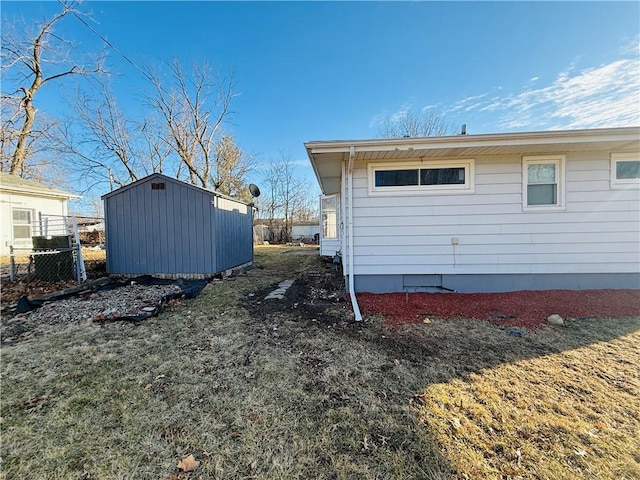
(21, 204)
(483, 213)
(304, 231)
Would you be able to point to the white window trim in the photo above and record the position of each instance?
(22, 240)
(618, 184)
(559, 161)
(468, 187)
(337, 217)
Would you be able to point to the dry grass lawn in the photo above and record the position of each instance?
(565, 415)
(288, 389)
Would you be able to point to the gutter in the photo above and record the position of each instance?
(352, 293)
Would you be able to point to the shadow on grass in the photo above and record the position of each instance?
(252, 387)
(362, 369)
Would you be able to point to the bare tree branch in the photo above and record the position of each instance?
(410, 124)
(34, 54)
(194, 109)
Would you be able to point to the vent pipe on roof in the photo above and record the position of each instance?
(464, 129)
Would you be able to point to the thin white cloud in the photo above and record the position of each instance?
(377, 120)
(426, 108)
(400, 113)
(604, 96)
(380, 118)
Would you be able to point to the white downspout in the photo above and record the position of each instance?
(343, 216)
(352, 293)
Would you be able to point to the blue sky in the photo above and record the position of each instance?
(332, 70)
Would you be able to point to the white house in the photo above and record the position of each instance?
(22, 202)
(305, 231)
(483, 213)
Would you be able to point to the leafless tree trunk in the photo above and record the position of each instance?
(29, 60)
(194, 108)
(411, 124)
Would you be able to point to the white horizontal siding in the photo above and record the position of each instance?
(430, 223)
(424, 241)
(597, 232)
(522, 249)
(495, 268)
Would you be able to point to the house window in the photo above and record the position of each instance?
(543, 179)
(330, 216)
(21, 224)
(442, 176)
(625, 170)
(421, 177)
(396, 178)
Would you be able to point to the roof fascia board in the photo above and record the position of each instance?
(39, 193)
(481, 140)
(11, 184)
(315, 169)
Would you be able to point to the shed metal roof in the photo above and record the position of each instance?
(327, 156)
(154, 176)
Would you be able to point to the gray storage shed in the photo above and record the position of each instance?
(165, 227)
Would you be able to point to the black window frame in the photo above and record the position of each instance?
(451, 175)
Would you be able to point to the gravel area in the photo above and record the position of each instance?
(109, 304)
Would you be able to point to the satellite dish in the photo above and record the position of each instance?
(255, 191)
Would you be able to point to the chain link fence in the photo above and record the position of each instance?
(63, 248)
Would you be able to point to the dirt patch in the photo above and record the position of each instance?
(528, 309)
(32, 287)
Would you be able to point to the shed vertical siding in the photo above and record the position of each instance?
(234, 232)
(597, 232)
(178, 230)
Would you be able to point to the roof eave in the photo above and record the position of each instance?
(38, 193)
(518, 138)
(334, 151)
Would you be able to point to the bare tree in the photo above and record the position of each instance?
(106, 134)
(32, 63)
(194, 108)
(411, 124)
(109, 147)
(286, 199)
(307, 209)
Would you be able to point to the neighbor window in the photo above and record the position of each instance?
(21, 224)
(543, 179)
(424, 176)
(625, 170)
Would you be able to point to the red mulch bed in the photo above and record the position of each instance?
(528, 309)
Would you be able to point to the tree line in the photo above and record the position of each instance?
(183, 130)
(182, 133)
